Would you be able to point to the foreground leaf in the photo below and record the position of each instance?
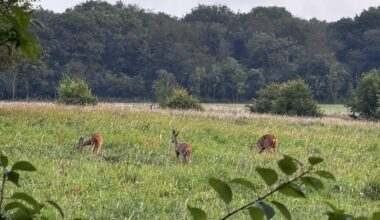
(292, 190)
(27, 198)
(284, 211)
(325, 174)
(315, 160)
(222, 188)
(312, 182)
(267, 209)
(333, 208)
(15, 205)
(376, 216)
(269, 176)
(3, 160)
(338, 216)
(197, 214)
(255, 213)
(244, 182)
(13, 177)
(287, 165)
(23, 166)
(56, 206)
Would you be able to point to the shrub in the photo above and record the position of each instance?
(164, 86)
(366, 100)
(75, 92)
(290, 98)
(182, 100)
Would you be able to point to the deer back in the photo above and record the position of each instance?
(266, 142)
(183, 149)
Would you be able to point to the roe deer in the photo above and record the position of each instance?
(267, 143)
(182, 148)
(96, 141)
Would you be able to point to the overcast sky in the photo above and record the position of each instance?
(329, 10)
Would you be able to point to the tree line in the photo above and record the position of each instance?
(216, 54)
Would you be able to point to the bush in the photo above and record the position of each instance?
(75, 92)
(182, 100)
(164, 86)
(290, 98)
(366, 99)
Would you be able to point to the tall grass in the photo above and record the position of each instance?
(137, 176)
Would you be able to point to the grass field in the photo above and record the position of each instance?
(138, 177)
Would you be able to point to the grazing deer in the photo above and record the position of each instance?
(182, 148)
(267, 143)
(96, 141)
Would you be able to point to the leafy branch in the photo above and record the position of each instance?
(258, 208)
(19, 205)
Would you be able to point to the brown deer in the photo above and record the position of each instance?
(182, 148)
(267, 142)
(96, 141)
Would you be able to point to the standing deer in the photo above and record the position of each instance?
(96, 141)
(267, 143)
(182, 148)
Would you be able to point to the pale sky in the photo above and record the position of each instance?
(329, 10)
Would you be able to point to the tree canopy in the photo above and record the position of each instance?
(213, 52)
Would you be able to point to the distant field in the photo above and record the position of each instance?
(334, 108)
(138, 177)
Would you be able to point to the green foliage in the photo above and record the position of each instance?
(75, 92)
(164, 87)
(182, 100)
(222, 188)
(366, 99)
(196, 213)
(20, 205)
(15, 21)
(290, 98)
(259, 208)
(269, 176)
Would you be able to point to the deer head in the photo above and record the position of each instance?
(80, 143)
(174, 137)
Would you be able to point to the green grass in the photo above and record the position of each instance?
(333, 108)
(137, 175)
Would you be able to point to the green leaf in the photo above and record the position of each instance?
(376, 216)
(292, 190)
(244, 182)
(287, 165)
(255, 213)
(315, 160)
(23, 166)
(3, 160)
(56, 206)
(333, 208)
(284, 211)
(325, 174)
(269, 176)
(18, 210)
(267, 209)
(312, 182)
(27, 198)
(197, 214)
(13, 177)
(222, 188)
(338, 216)
(21, 17)
(16, 205)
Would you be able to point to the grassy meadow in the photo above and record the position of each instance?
(137, 176)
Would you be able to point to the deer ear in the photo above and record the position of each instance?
(177, 133)
(174, 132)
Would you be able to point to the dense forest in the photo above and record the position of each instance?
(213, 52)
